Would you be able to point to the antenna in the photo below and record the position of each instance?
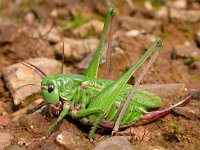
(34, 68)
(27, 85)
(63, 57)
(29, 65)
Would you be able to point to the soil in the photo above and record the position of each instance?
(170, 132)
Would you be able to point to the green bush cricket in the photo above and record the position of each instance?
(101, 102)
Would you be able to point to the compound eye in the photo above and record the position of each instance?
(50, 88)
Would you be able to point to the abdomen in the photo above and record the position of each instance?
(141, 101)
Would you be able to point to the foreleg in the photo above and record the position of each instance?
(61, 116)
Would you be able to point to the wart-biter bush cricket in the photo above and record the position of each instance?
(101, 102)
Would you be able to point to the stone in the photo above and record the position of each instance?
(182, 51)
(130, 23)
(76, 49)
(18, 114)
(195, 65)
(18, 75)
(159, 148)
(7, 22)
(54, 13)
(22, 141)
(177, 4)
(162, 12)
(197, 37)
(169, 93)
(148, 146)
(195, 93)
(2, 107)
(114, 143)
(185, 15)
(4, 120)
(133, 33)
(15, 147)
(21, 40)
(149, 39)
(148, 5)
(83, 64)
(137, 133)
(30, 18)
(129, 2)
(70, 140)
(187, 112)
(5, 139)
(194, 4)
(93, 27)
(51, 33)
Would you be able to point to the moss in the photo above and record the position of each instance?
(181, 27)
(185, 27)
(25, 5)
(174, 126)
(191, 60)
(175, 131)
(166, 34)
(100, 17)
(188, 36)
(76, 22)
(174, 134)
(89, 35)
(154, 3)
(139, 1)
(194, 78)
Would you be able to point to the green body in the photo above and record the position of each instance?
(100, 100)
(78, 89)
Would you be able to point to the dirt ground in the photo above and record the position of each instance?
(20, 18)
